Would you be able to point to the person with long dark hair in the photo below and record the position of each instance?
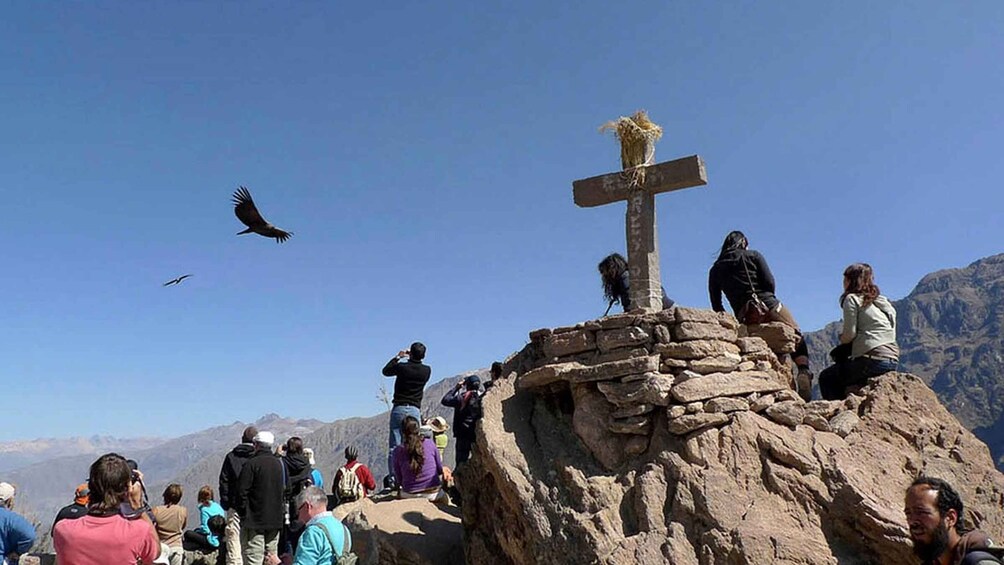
(417, 466)
(616, 282)
(743, 276)
(869, 331)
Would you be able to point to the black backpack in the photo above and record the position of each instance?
(469, 414)
(984, 555)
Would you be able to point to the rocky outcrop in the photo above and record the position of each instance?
(386, 531)
(680, 466)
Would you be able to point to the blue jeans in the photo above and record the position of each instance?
(397, 416)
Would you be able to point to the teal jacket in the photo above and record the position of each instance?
(314, 547)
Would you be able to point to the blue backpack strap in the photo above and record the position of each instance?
(979, 557)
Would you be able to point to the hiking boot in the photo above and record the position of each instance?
(803, 383)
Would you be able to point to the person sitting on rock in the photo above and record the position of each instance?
(743, 275)
(170, 521)
(616, 283)
(465, 400)
(869, 333)
(417, 466)
(203, 537)
(324, 541)
(934, 515)
(17, 535)
(353, 481)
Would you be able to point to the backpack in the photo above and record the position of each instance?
(349, 488)
(347, 557)
(468, 414)
(977, 556)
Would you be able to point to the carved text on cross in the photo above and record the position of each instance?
(642, 239)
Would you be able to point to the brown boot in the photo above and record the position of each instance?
(803, 383)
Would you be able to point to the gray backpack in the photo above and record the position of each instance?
(347, 557)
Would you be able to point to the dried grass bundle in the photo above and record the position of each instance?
(637, 135)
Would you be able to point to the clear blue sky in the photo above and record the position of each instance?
(423, 155)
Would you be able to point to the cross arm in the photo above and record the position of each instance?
(663, 177)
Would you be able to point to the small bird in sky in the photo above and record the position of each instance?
(177, 280)
(248, 214)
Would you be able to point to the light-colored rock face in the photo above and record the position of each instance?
(732, 467)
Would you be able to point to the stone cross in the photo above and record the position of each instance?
(642, 239)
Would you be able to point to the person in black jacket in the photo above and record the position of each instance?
(465, 399)
(260, 501)
(617, 283)
(229, 473)
(741, 273)
(409, 385)
(297, 478)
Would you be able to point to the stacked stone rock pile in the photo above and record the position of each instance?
(691, 365)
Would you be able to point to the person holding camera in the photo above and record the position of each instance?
(465, 399)
(117, 527)
(409, 386)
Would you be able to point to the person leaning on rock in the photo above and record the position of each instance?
(743, 275)
(617, 283)
(934, 515)
(116, 529)
(229, 472)
(17, 535)
(869, 333)
(409, 386)
(465, 400)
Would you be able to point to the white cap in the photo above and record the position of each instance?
(6, 492)
(310, 455)
(264, 438)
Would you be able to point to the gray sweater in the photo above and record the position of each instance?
(870, 326)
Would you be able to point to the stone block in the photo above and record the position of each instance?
(650, 388)
(780, 337)
(543, 376)
(632, 410)
(761, 403)
(817, 423)
(726, 404)
(746, 366)
(724, 363)
(686, 375)
(630, 336)
(724, 384)
(695, 407)
(751, 345)
(825, 408)
(788, 412)
(569, 343)
(615, 369)
(621, 354)
(662, 334)
(688, 331)
(701, 316)
(637, 425)
(670, 365)
(620, 321)
(693, 422)
(675, 411)
(695, 349)
(537, 335)
(844, 423)
(591, 325)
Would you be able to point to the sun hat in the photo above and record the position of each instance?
(264, 438)
(438, 424)
(6, 492)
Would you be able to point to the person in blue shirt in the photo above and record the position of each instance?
(16, 534)
(203, 536)
(315, 474)
(323, 537)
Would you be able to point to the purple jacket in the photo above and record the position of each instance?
(427, 477)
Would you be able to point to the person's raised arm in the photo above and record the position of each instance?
(390, 369)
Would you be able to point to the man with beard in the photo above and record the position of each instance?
(934, 515)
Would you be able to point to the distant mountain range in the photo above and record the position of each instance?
(949, 333)
(47, 481)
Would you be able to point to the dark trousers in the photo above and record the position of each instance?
(194, 539)
(464, 449)
(835, 379)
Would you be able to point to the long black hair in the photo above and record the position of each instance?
(611, 269)
(735, 240)
(413, 443)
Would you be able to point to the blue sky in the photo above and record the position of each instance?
(423, 155)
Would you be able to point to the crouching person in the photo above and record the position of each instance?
(116, 528)
(324, 540)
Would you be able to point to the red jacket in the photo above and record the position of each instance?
(362, 473)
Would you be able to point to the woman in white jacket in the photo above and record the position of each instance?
(869, 329)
